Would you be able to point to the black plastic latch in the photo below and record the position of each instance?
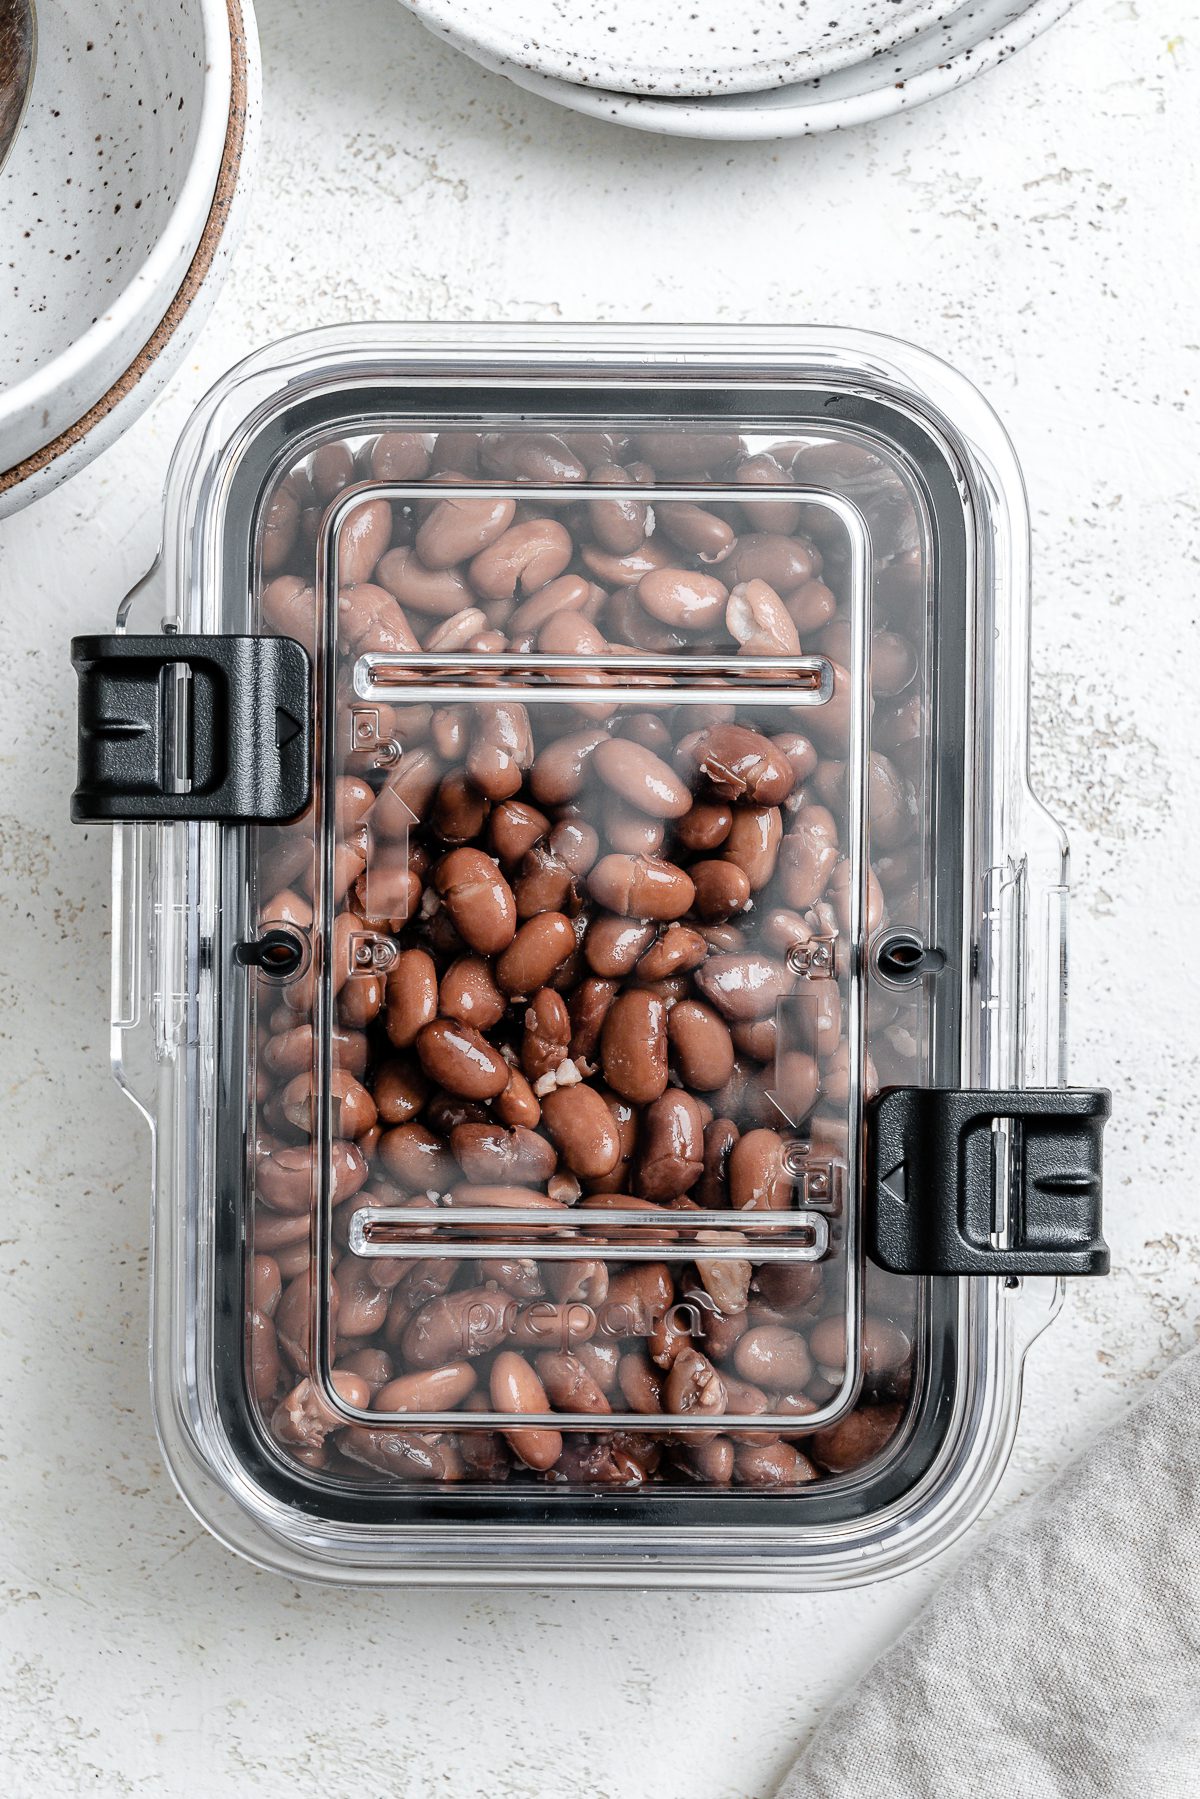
(192, 727)
(942, 1163)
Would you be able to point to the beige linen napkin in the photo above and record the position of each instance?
(1062, 1659)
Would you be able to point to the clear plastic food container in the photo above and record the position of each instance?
(589, 957)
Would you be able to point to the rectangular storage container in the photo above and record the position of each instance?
(589, 956)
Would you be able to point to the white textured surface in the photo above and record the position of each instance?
(1039, 228)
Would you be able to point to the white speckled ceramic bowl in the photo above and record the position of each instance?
(114, 219)
(961, 39)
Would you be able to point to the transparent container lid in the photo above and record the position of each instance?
(665, 806)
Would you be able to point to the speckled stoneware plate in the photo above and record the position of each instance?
(706, 47)
(967, 39)
(113, 208)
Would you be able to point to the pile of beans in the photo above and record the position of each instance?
(591, 912)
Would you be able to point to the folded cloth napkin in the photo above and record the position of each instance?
(1062, 1659)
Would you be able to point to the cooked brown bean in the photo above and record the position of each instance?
(808, 856)
(571, 1386)
(641, 777)
(742, 986)
(738, 764)
(416, 1159)
(558, 770)
(364, 535)
(501, 749)
(641, 1383)
(583, 1130)
(704, 534)
(673, 451)
(617, 525)
(527, 555)
(400, 1090)
(539, 456)
(722, 890)
(427, 1390)
(410, 996)
(546, 1038)
(627, 829)
(706, 826)
(613, 945)
(513, 829)
(540, 947)
(672, 1146)
(775, 1464)
(694, 1386)
(758, 1179)
(588, 1007)
(701, 1047)
(775, 1358)
(437, 593)
(786, 563)
(468, 992)
(754, 840)
(516, 1387)
(759, 622)
(633, 1046)
(727, 1280)
(574, 842)
(641, 887)
(677, 951)
(458, 528)
(518, 1104)
(478, 899)
(461, 1060)
(856, 1439)
(452, 1326)
(678, 596)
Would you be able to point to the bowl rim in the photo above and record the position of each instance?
(773, 114)
(463, 26)
(222, 122)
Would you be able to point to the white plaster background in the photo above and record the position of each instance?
(1038, 229)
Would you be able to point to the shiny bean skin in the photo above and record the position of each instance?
(758, 1180)
(364, 535)
(460, 1059)
(677, 951)
(693, 1387)
(701, 1047)
(678, 597)
(457, 529)
(753, 842)
(706, 826)
(722, 890)
(856, 1439)
(633, 1046)
(478, 899)
(614, 945)
(775, 1464)
(582, 1130)
(672, 1146)
(569, 1383)
(616, 525)
(760, 622)
(643, 779)
(742, 986)
(410, 996)
(468, 992)
(428, 1390)
(641, 887)
(739, 764)
(517, 1387)
(774, 1358)
(540, 947)
(708, 537)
